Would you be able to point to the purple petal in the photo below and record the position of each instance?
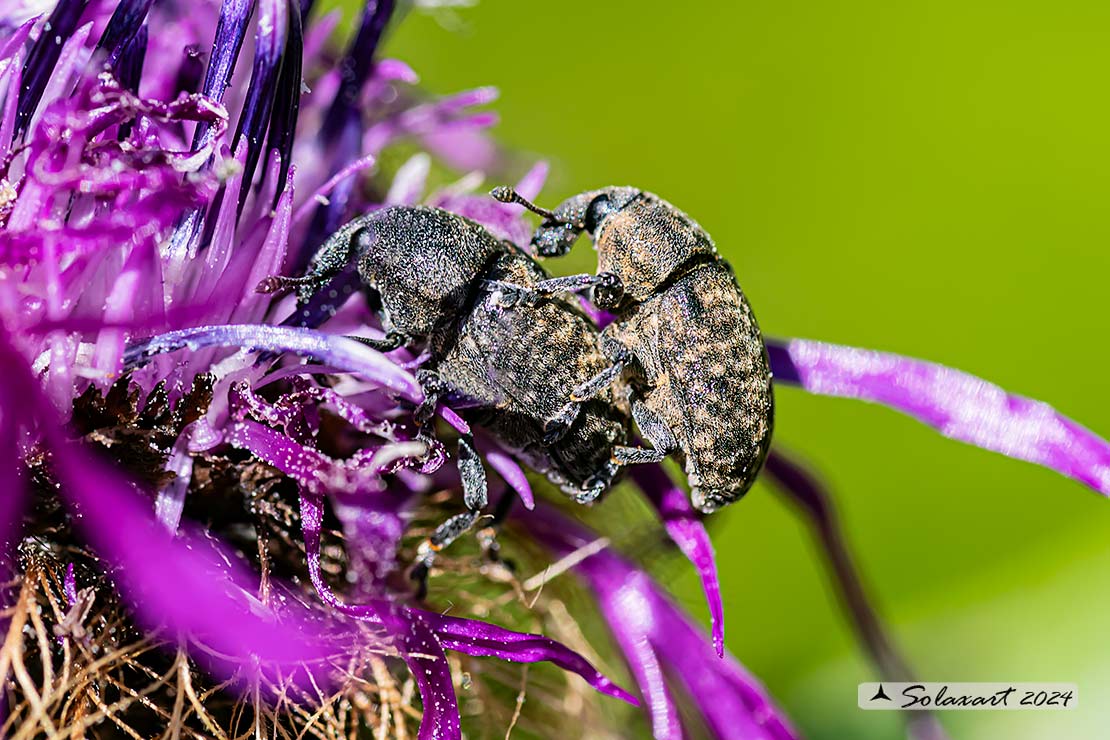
(409, 182)
(956, 404)
(287, 102)
(269, 46)
(341, 132)
(508, 469)
(685, 528)
(656, 635)
(69, 587)
(129, 67)
(344, 148)
(336, 351)
(170, 502)
(122, 26)
(466, 147)
(357, 64)
(11, 73)
(474, 637)
(424, 656)
(312, 469)
(489, 213)
(456, 422)
(733, 702)
(230, 30)
(373, 526)
(333, 182)
(532, 183)
(624, 612)
(183, 581)
(469, 636)
(43, 57)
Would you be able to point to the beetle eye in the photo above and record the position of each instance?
(362, 239)
(600, 207)
(554, 240)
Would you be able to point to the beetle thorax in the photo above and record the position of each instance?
(646, 242)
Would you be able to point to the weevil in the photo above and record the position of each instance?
(438, 280)
(684, 336)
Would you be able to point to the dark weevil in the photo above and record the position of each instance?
(685, 337)
(436, 279)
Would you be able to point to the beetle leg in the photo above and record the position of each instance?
(608, 288)
(433, 387)
(328, 262)
(306, 285)
(475, 496)
(487, 537)
(575, 283)
(559, 425)
(555, 428)
(620, 356)
(597, 484)
(601, 381)
(655, 431)
(391, 341)
(508, 295)
(637, 455)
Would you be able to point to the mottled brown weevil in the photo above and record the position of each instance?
(685, 337)
(509, 366)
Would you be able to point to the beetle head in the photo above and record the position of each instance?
(561, 227)
(421, 262)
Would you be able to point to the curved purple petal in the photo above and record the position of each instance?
(129, 67)
(455, 421)
(732, 701)
(408, 184)
(341, 132)
(511, 472)
(469, 636)
(11, 81)
(336, 351)
(475, 637)
(314, 470)
(321, 193)
(424, 656)
(958, 405)
(685, 528)
(654, 633)
(183, 582)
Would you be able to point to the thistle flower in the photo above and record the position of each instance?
(226, 489)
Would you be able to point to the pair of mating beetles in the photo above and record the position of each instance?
(511, 346)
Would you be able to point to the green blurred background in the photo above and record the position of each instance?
(926, 178)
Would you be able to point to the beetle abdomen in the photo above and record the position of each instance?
(709, 379)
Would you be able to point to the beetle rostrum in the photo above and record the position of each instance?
(445, 283)
(685, 338)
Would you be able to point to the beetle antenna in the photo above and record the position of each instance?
(505, 194)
